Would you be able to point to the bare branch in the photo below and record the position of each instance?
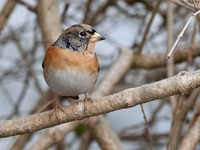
(150, 61)
(190, 7)
(179, 84)
(50, 28)
(20, 141)
(139, 50)
(6, 11)
(114, 75)
(192, 136)
(178, 119)
(181, 34)
(147, 128)
(28, 6)
(170, 64)
(102, 132)
(53, 136)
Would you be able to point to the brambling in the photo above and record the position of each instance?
(70, 65)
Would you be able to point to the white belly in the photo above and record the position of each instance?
(70, 82)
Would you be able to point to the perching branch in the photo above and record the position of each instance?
(179, 84)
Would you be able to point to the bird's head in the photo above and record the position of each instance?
(77, 37)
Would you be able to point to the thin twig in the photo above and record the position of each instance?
(28, 6)
(5, 12)
(190, 57)
(63, 15)
(147, 127)
(15, 109)
(139, 50)
(189, 7)
(192, 6)
(181, 34)
(170, 64)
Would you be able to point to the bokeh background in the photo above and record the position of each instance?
(147, 27)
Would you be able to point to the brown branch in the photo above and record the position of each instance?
(143, 136)
(114, 74)
(155, 113)
(92, 20)
(178, 119)
(147, 128)
(190, 7)
(152, 61)
(139, 50)
(49, 21)
(181, 83)
(53, 136)
(170, 63)
(102, 132)
(6, 11)
(63, 15)
(87, 9)
(86, 140)
(192, 41)
(20, 141)
(28, 6)
(192, 136)
(181, 34)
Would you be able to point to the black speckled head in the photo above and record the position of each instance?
(77, 37)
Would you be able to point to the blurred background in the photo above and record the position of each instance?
(147, 27)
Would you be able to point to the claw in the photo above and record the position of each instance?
(84, 100)
(56, 108)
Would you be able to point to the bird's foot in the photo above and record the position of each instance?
(84, 101)
(55, 111)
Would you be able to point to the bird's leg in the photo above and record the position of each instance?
(84, 100)
(56, 107)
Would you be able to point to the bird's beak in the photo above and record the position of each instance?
(96, 37)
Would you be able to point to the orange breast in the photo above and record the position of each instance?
(63, 59)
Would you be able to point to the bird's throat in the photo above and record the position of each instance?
(90, 47)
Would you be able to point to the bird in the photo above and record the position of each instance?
(70, 65)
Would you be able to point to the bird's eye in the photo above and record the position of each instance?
(82, 33)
